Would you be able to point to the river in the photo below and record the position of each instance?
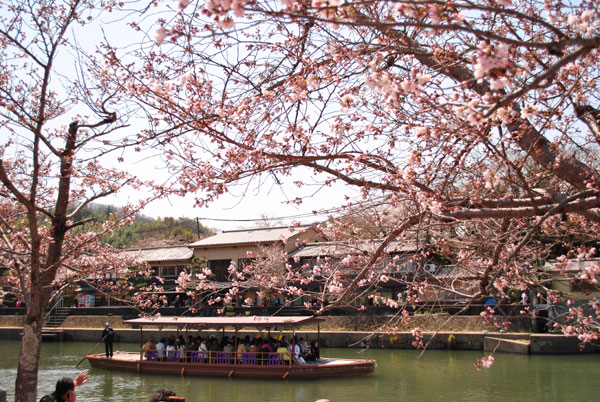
(401, 375)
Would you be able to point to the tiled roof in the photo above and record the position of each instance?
(570, 265)
(337, 249)
(455, 272)
(220, 322)
(162, 254)
(250, 236)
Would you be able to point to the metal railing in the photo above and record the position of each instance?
(57, 299)
(220, 357)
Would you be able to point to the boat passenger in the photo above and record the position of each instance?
(161, 347)
(228, 347)
(265, 347)
(253, 348)
(303, 347)
(213, 345)
(241, 348)
(313, 352)
(149, 345)
(296, 352)
(170, 344)
(190, 345)
(202, 347)
(263, 351)
(282, 348)
(224, 341)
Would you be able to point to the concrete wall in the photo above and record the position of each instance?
(537, 344)
(559, 344)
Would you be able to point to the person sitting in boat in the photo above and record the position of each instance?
(303, 347)
(296, 352)
(213, 345)
(203, 347)
(161, 347)
(313, 352)
(241, 348)
(282, 347)
(180, 343)
(229, 347)
(264, 350)
(170, 344)
(253, 347)
(149, 345)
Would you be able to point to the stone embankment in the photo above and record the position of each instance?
(438, 332)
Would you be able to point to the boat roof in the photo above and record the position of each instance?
(220, 322)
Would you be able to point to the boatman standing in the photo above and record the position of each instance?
(107, 336)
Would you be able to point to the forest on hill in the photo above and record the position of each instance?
(146, 231)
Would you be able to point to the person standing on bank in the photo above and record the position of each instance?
(107, 336)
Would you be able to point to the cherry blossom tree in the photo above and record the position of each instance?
(59, 134)
(478, 120)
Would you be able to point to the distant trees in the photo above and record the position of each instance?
(143, 231)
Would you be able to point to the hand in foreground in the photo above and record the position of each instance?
(81, 378)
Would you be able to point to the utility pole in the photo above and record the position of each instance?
(198, 227)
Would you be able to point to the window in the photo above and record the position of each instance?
(219, 269)
(168, 270)
(243, 262)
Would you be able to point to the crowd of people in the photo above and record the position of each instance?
(298, 348)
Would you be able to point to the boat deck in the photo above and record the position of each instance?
(325, 367)
(134, 357)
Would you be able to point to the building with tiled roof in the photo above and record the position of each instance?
(162, 254)
(235, 245)
(263, 236)
(165, 262)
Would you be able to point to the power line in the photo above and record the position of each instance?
(306, 215)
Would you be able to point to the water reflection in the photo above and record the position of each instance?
(401, 375)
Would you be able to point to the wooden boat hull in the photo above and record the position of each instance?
(123, 361)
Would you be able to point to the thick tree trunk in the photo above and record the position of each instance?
(29, 359)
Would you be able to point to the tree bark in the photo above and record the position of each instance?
(29, 356)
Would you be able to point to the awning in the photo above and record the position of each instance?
(221, 322)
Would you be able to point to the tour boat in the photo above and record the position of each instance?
(230, 364)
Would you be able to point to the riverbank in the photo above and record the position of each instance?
(438, 332)
(360, 323)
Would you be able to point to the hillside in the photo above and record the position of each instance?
(146, 231)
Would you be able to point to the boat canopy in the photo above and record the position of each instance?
(222, 322)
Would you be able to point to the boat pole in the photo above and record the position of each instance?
(141, 343)
(84, 357)
(319, 338)
(235, 356)
(187, 346)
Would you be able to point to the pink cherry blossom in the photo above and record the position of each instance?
(160, 35)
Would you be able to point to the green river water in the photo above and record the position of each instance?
(401, 375)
